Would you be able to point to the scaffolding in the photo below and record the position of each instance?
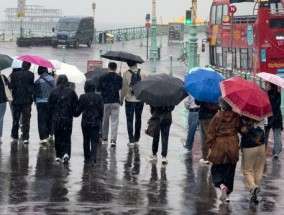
(36, 18)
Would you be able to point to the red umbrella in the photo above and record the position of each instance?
(246, 98)
(40, 61)
(274, 79)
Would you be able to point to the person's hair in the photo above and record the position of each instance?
(112, 66)
(42, 70)
(224, 105)
(131, 63)
(26, 65)
(273, 87)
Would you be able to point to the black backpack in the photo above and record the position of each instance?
(135, 78)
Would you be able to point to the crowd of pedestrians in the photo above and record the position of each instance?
(222, 131)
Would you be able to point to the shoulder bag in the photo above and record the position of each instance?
(8, 92)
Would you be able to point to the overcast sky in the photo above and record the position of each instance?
(117, 12)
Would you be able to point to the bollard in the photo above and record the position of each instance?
(171, 65)
(101, 52)
(225, 73)
(154, 61)
(63, 54)
(258, 81)
(222, 71)
(239, 73)
(243, 75)
(248, 76)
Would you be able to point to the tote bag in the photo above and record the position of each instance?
(7, 90)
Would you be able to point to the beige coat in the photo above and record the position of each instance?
(223, 138)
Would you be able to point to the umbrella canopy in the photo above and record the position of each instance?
(40, 61)
(160, 90)
(246, 98)
(96, 74)
(122, 56)
(274, 79)
(72, 72)
(203, 84)
(5, 61)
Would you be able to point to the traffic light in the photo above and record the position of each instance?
(188, 17)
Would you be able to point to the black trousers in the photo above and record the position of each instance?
(91, 139)
(223, 174)
(165, 131)
(62, 137)
(132, 108)
(43, 120)
(17, 111)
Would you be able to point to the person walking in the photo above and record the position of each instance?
(133, 106)
(42, 88)
(62, 104)
(192, 121)
(21, 85)
(3, 102)
(223, 142)
(91, 105)
(109, 86)
(205, 114)
(164, 117)
(274, 122)
(253, 155)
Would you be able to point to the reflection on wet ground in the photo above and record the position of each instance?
(123, 181)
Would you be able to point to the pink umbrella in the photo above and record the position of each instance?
(274, 79)
(40, 61)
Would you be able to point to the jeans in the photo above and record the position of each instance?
(2, 113)
(165, 131)
(110, 111)
(43, 120)
(91, 138)
(25, 112)
(192, 125)
(62, 137)
(130, 109)
(253, 162)
(277, 146)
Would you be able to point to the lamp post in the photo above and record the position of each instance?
(94, 15)
(153, 48)
(192, 42)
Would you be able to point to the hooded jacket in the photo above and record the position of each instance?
(91, 105)
(62, 101)
(223, 138)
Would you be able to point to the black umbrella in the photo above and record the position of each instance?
(96, 74)
(5, 61)
(160, 90)
(122, 56)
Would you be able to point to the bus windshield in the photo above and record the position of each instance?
(67, 26)
(246, 8)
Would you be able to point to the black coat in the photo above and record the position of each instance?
(91, 105)
(163, 113)
(21, 84)
(62, 101)
(275, 121)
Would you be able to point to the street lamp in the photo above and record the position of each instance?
(94, 15)
(192, 41)
(153, 48)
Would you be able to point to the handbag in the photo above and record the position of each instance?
(8, 92)
(153, 126)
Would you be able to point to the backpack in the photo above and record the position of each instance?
(135, 78)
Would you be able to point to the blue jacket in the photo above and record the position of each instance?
(42, 87)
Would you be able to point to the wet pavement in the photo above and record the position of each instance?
(123, 181)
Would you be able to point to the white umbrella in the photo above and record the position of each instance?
(72, 72)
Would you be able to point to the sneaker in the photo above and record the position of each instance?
(44, 141)
(184, 145)
(26, 142)
(204, 161)
(104, 141)
(58, 160)
(227, 200)
(164, 160)
(153, 158)
(65, 159)
(137, 143)
(50, 138)
(253, 194)
(130, 144)
(276, 156)
(224, 191)
(14, 140)
(113, 143)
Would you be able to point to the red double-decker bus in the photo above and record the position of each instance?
(252, 42)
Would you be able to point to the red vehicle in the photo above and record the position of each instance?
(248, 43)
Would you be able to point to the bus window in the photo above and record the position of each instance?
(276, 23)
(225, 51)
(238, 58)
(225, 10)
(234, 65)
(213, 15)
(250, 59)
(219, 56)
(212, 56)
(219, 14)
(244, 58)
